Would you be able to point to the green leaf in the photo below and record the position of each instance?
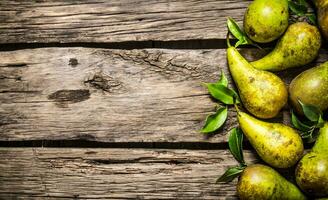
(215, 121)
(221, 93)
(236, 97)
(223, 80)
(230, 174)
(235, 30)
(320, 123)
(236, 145)
(312, 18)
(299, 9)
(302, 3)
(311, 112)
(298, 124)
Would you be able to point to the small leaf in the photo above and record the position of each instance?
(298, 124)
(312, 18)
(223, 79)
(320, 123)
(302, 3)
(230, 174)
(236, 97)
(238, 33)
(215, 121)
(235, 30)
(221, 93)
(311, 112)
(236, 145)
(299, 9)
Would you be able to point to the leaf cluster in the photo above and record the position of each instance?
(309, 126)
(221, 92)
(300, 8)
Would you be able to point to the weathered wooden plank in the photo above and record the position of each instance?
(107, 95)
(116, 20)
(149, 95)
(115, 173)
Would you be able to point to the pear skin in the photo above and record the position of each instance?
(265, 21)
(311, 87)
(312, 170)
(277, 144)
(262, 93)
(260, 182)
(322, 15)
(297, 47)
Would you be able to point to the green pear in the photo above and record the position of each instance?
(260, 182)
(299, 46)
(311, 87)
(265, 21)
(277, 144)
(322, 15)
(262, 93)
(312, 170)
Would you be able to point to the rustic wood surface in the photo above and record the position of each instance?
(115, 173)
(128, 99)
(150, 95)
(116, 20)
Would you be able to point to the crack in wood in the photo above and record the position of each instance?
(102, 81)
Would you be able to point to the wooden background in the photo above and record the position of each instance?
(102, 99)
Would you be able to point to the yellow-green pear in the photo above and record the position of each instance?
(265, 21)
(298, 46)
(277, 144)
(262, 93)
(322, 15)
(260, 182)
(310, 87)
(312, 170)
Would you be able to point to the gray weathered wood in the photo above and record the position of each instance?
(149, 95)
(107, 95)
(116, 20)
(115, 173)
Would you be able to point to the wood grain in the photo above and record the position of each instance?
(112, 95)
(107, 95)
(115, 21)
(115, 173)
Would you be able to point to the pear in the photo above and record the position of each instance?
(312, 170)
(262, 93)
(299, 46)
(322, 14)
(311, 87)
(265, 21)
(277, 144)
(260, 182)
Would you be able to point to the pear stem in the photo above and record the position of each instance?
(236, 107)
(228, 40)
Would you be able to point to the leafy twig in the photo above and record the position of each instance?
(239, 34)
(300, 8)
(236, 149)
(221, 92)
(313, 121)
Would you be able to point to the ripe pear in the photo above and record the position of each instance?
(260, 182)
(311, 87)
(265, 21)
(322, 14)
(312, 170)
(277, 144)
(262, 93)
(299, 46)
